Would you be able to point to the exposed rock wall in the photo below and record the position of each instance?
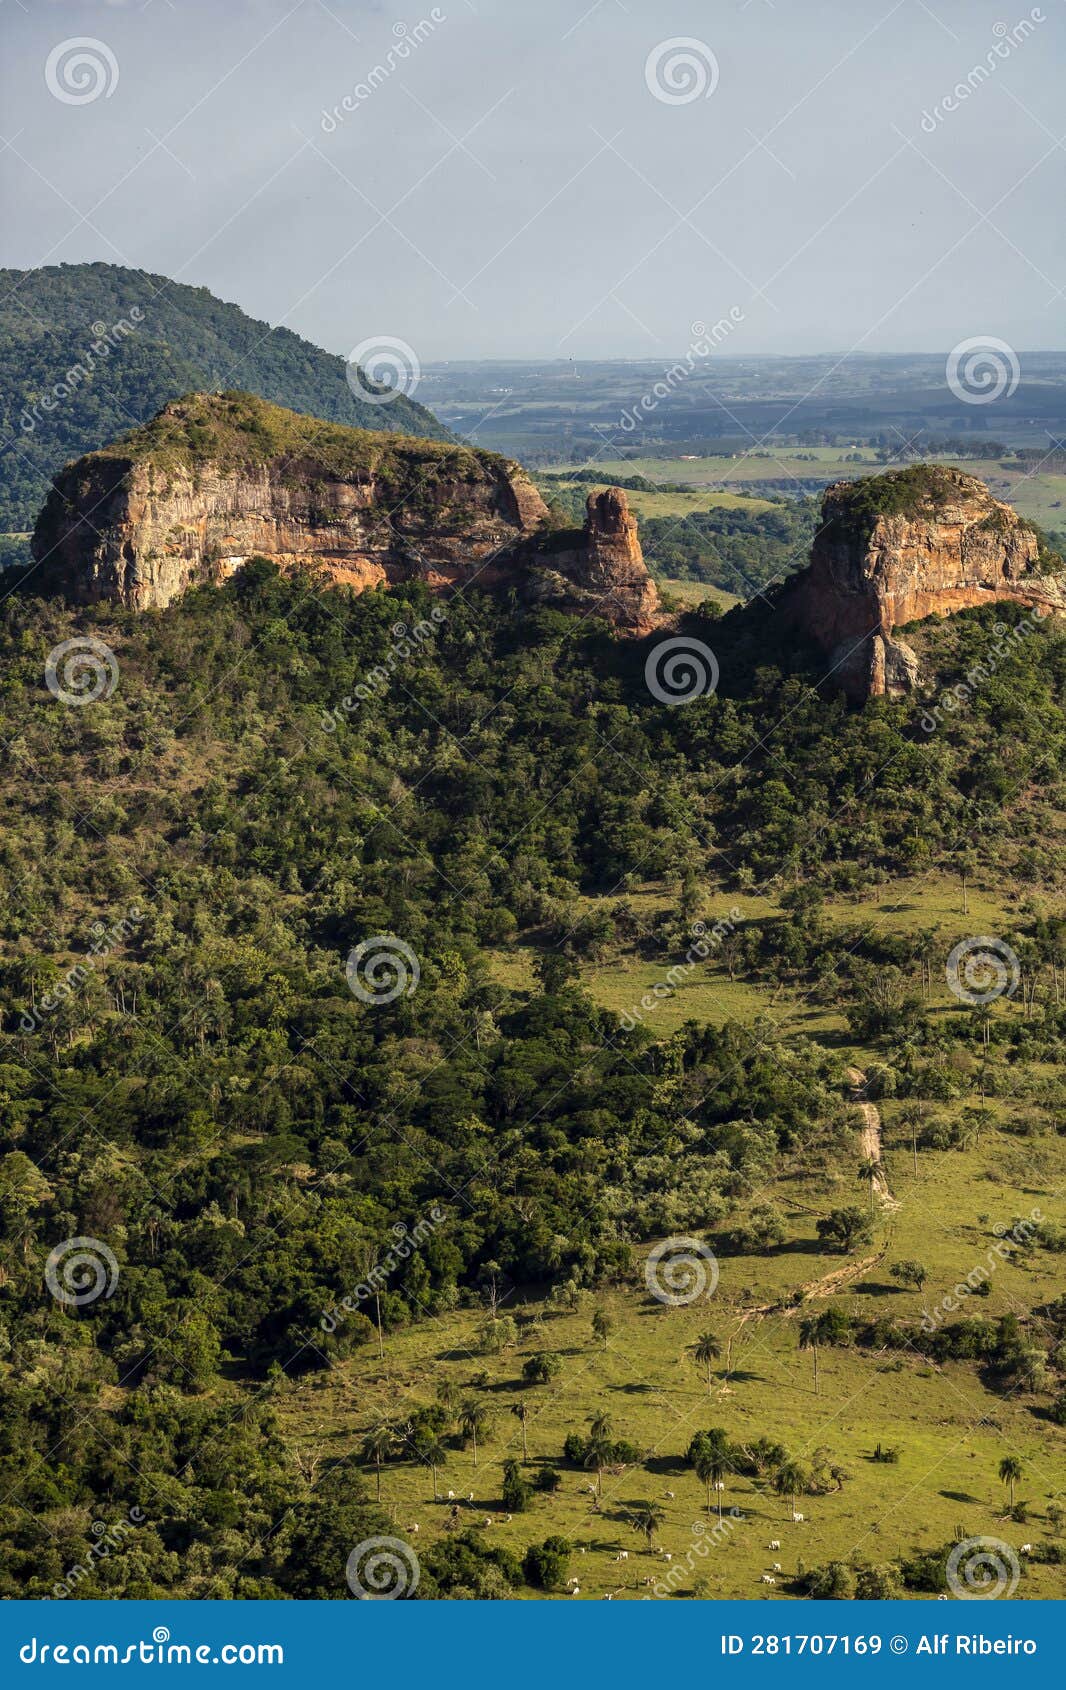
(951, 546)
(215, 480)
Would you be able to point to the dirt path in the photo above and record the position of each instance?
(870, 1138)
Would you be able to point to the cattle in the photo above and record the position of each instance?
(768, 1578)
(774, 1543)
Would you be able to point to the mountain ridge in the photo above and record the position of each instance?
(78, 367)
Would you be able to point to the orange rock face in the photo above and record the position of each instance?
(140, 523)
(950, 547)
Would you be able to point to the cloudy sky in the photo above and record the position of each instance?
(492, 178)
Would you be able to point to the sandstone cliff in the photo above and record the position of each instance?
(216, 479)
(896, 548)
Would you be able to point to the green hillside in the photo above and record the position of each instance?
(372, 1004)
(88, 351)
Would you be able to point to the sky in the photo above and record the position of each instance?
(555, 178)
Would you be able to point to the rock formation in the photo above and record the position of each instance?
(896, 548)
(600, 572)
(216, 479)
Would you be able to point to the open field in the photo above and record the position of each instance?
(946, 1209)
(950, 1431)
(1039, 496)
(647, 505)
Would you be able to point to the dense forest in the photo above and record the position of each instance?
(194, 1069)
(88, 351)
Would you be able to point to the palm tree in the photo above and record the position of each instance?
(712, 1463)
(789, 1480)
(377, 1447)
(521, 1411)
(598, 1454)
(870, 1170)
(429, 1449)
(810, 1336)
(707, 1349)
(647, 1519)
(474, 1421)
(1010, 1471)
(601, 1425)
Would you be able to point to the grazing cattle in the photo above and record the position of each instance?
(797, 1519)
(451, 1496)
(768, 1578)
(623, 1555)
(571, 1584)
(665, 1553)
(774, 1543)
(488, 1522)
(470, 1498)
(718, 1485)
(1026, 1549)
(413, 1527)
(669, 1495)
(583, 1552)
(777, 1566)
(575, 1590)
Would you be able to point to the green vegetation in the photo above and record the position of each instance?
(352, 1233)
(89, 350)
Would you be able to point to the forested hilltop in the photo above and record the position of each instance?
(88, 351)
(277, 784)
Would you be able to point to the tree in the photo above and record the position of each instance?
(602, 1325)
(516, 1488)
(789, 1480)
(647, 1518)
(711, 1455)
(909, 1273)
(844, 1227)
(869, 1170)
(521, 1411)
(598, 1454)
(1010, 1471)
(810, 1336)
(542, 1368)
(474, 1421)
(428, 1447)
(376, 1447)
(707, 1349)
(545, 1564)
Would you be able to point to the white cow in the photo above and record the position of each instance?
(1026, 1549)
(768, 1578)
(623, 1555)
(774, 1543)
(777, 1566)
(797, 1519)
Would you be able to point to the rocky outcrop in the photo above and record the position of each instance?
(603, 573)
(897, 548)
(216, 479)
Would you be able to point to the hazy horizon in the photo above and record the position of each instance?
(585, 181)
